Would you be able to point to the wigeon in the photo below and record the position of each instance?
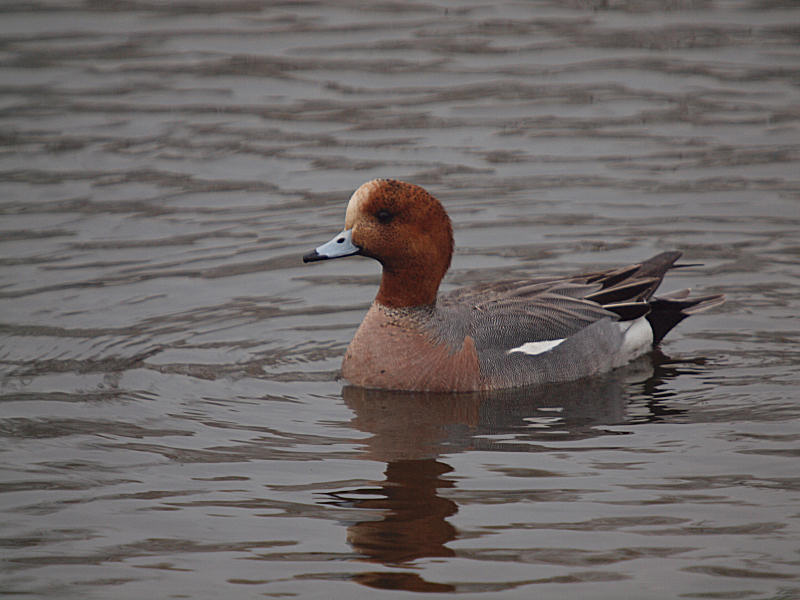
(493, 336)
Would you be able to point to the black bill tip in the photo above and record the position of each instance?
(313, 256)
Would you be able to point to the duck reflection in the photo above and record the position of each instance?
(413, 523)
(411, 431)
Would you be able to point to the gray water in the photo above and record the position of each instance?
(171, 423)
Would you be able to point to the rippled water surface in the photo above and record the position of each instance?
(171, 423)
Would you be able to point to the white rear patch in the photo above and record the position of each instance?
(534, 348)
(637, 338)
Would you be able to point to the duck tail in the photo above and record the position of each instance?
(670, 309)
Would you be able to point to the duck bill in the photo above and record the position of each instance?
(340, 246)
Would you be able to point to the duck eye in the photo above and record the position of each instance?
(384, 216)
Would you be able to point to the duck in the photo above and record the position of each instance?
(491, 336)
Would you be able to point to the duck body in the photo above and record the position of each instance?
(494, 336)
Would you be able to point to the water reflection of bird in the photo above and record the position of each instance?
(411, 432)
(412, 525)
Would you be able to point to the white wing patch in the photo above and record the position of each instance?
(534, 348)
(637, 338)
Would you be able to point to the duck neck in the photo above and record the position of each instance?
(403, 288)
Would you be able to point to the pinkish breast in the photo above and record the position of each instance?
(390, 353)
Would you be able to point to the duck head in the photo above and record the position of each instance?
(405, 229)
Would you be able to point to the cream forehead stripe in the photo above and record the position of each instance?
(358, 198)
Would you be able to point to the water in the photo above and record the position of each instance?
(171, 421)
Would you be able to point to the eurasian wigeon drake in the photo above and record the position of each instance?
(493, 336)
